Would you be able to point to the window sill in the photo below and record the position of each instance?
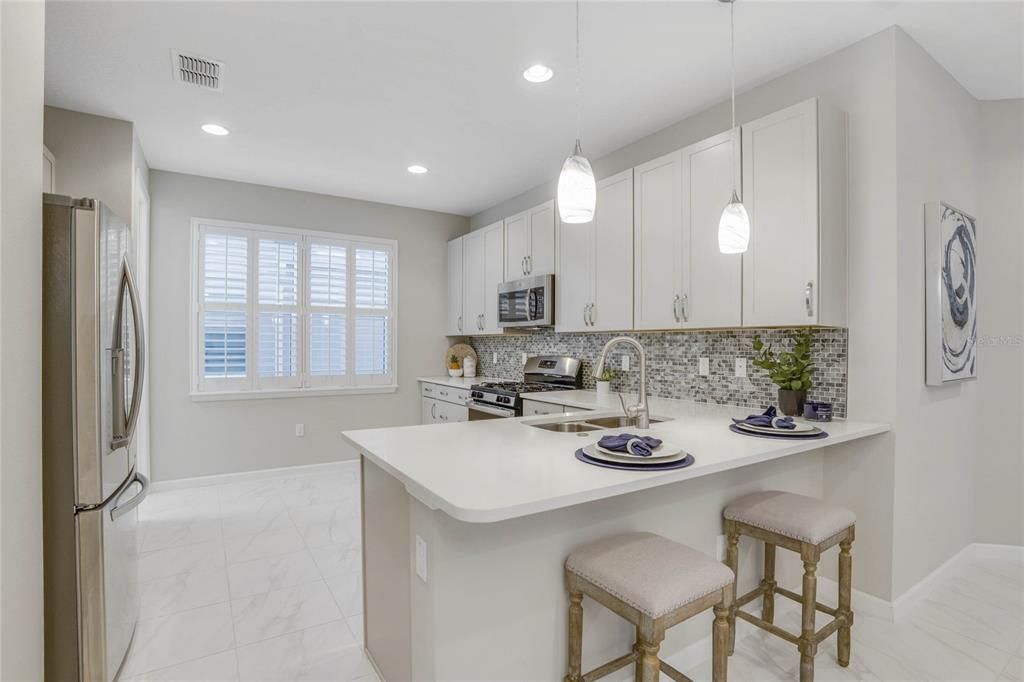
(213, 396)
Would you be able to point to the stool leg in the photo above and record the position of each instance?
(649, 665)
(768, 584)
(639, 669)
(845, 588)
(732, 560)
(720, 644)
(808, 647)
(575, 636)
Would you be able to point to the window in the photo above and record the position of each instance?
(281, 310)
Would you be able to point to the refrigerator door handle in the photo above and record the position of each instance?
(121, 508)
(124, 422)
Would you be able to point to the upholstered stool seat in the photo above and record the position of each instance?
(809, 527)
(795, 516)
(654, 583)
(651, 573)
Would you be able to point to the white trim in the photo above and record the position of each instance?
(918, 592)
(310, 392)
(862, 602)
(241, 476)
(984, 550)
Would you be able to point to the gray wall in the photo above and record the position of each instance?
(999, 477)
(21, 171)
(94, 156)
(199, 438)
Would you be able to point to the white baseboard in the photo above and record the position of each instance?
(862, 602)
(903, 603)
(981, 550)
(218, 479)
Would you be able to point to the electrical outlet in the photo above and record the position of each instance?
(421, 558)
(300, 430)
(522, 358)
(720, 544)
(625, 363)
(741, 367)
(705, 367)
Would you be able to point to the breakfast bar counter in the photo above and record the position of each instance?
(466, 527)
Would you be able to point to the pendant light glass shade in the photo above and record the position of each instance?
(734, 227)
(577, 189)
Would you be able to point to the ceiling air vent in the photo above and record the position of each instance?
(202, 72)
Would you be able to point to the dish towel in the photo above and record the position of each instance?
(640, 446)
(769, 419)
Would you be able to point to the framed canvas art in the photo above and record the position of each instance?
(951, 275)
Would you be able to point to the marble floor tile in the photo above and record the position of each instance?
(163, 532)
(326, 525)
(347, 589)
(272, 573)
(183, 591)
(237, 524)
(169, 640)
(1014, 670)
(326, 652)
(165, 562)
(263, 616)
(185, 503)
(266, 544)
(335, 559)
(355, 624)
(222, 667)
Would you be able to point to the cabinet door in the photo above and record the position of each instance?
(574, 280)
(657, 243)
(450, 412)
(517, 246)
(780, 191)
(473, 266)
(712, 281)
(455, 314)
(540, 259)
(428, 411)
(612, 271)
(493, 267)
(532, 407)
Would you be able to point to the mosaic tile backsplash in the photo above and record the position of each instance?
(673, 362)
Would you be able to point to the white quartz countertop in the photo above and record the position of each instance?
(456, 382)
(497, 469)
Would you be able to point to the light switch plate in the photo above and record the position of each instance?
(705, 367)
(421, 558)
(741, 367)
(494, 357)
(625, 363)
(300, 430)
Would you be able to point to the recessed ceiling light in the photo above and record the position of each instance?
(214, 129)
(417, 169)
(538, 73)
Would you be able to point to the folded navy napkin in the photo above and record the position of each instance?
(769, 419)
(641, 446)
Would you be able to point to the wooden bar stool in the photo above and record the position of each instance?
(807, 526)
(654, 583)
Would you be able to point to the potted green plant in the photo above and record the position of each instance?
(790, 370)
(454, 368)
(604, 382)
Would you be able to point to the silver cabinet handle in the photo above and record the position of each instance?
(460, 323)
(480, 321)
(585, 322)
(121, 508)
(428, 389)
(444, 393)
(529, 264)
(433, 410)
(675, 307)
(522, 265)
(807, 299)
(683, 305)
(593, 306)
(124, 421)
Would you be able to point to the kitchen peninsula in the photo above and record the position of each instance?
(466, 527)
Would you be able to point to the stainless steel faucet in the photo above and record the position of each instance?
(641, 412)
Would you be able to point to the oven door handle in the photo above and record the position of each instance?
(487, 409)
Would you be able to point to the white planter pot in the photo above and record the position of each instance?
(454, 372)
(603, 388)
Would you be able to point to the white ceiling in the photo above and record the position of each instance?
(339, 98)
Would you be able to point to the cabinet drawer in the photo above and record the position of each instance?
(448, 394)
(532, 407)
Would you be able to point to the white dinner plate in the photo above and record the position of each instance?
(597, 452)
(660, 453)
(799, 430)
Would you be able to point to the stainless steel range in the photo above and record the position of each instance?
(497, 399)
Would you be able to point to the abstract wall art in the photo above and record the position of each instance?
(951, 275)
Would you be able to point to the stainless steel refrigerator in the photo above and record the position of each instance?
(93, 364)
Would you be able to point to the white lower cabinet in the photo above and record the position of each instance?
(594, 283)
(532, 407)
(440, 403)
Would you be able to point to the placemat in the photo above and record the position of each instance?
(819, 436)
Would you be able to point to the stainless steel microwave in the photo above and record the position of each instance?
(527, 302)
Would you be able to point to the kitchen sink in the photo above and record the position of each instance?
(567, 427)
(617, 422)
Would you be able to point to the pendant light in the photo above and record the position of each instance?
(734, 225)
(577, 191)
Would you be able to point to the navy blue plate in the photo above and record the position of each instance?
(785, 436)
(668, 466)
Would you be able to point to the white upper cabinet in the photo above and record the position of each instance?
(712, 282)
(794, 188)
(49, 172)
(658, 242)
(482, 268)
(594, 286)
(530, 242)
(455, 314)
